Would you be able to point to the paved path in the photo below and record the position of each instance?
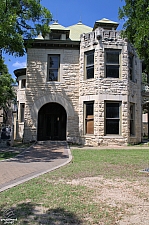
(41, 158)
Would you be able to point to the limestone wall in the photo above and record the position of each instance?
(40, 92)
(73, 89)
(101, 89)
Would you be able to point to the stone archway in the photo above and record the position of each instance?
(52, 120)
(52, 98)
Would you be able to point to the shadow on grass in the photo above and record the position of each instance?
(7, 155)
(28, 213)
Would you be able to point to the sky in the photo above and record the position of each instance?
(70, 12)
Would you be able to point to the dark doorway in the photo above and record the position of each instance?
(52, 122)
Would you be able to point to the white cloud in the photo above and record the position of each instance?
(18, 64)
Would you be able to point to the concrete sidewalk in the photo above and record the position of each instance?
(41, 158)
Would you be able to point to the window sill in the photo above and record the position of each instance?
(87, 79)
(54, 82)
(118, 78)
(113, 136)
(88, 135)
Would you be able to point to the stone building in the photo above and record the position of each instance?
(82, 85)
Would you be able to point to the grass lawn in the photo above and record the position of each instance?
(7, 155)
(70, 195)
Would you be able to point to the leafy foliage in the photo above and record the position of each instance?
(136, 26)
(7, 93)
(19, 20)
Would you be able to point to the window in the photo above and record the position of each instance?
(89, 64)
(23, 83)
(112, 63)
(132, 119)
(22, 108)
(89, 117)
(55, 36)
(53, 67)
(131, 72)
(112, 120)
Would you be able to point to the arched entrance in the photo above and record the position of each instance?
(52, 120)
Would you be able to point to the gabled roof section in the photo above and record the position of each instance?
(106, 24)
(78, 29)
(56, 26)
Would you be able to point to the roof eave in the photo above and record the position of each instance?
(41, 43)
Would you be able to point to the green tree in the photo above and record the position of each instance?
(136, 26)
(7, 92)
(19, 20)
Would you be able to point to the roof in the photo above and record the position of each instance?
(75, 30)
(56, 26)
(104, 20)
(20, 72)
(78, 29)
(105, 23)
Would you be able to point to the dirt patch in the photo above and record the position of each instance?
(131, 197)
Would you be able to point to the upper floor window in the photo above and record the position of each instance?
(23, 83)
(53, 67)
(131, 66)
(22, 109)
(112, 61)
(55, 36)
(89, 64)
